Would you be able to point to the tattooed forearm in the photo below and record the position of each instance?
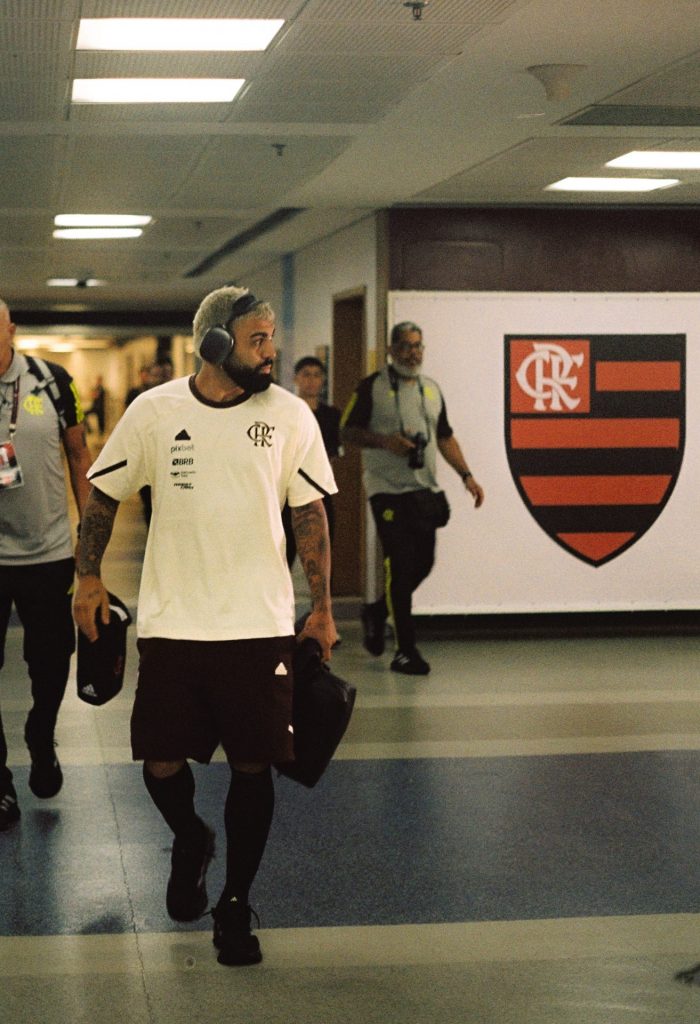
(313, 545)
(95, 531)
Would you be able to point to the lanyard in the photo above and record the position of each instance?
(15, 408)
(394, 380)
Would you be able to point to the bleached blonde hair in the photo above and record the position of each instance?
(215, 311)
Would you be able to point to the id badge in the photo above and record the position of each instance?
(10, 469)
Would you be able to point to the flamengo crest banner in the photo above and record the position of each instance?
(595, 428)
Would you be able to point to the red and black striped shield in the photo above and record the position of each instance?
(595, 428)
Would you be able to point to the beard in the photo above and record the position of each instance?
(406, 371)
(252, 381)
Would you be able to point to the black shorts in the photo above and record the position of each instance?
(193, 695)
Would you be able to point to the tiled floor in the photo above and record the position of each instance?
(513, 839)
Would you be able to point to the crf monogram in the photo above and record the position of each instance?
(553, 378)
(260, 434)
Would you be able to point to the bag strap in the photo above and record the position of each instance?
(47, 382)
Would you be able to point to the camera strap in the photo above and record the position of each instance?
(394, 381)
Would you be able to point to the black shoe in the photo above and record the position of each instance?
(45, 775)
(186, 896)
(232, 936)
(9, 810)
(373, 621)
(411, 663)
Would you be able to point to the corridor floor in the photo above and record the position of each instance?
(513, 839)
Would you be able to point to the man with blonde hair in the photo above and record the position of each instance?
(223, 451)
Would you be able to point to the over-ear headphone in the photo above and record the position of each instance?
(217, 344)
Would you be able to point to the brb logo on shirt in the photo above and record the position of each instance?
(182, 464)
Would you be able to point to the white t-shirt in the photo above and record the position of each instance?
(215, 566)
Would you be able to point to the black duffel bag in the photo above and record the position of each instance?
(322, 706)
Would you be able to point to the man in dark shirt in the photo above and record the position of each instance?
(310, 381)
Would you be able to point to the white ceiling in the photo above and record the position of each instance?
(372, 107)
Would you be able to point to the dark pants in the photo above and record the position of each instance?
(42, 596)
(409, 554)
(289, 532)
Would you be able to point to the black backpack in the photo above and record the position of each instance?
(47, 382)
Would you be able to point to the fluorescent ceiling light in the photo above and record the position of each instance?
(100, 220)
(73, 282)
(652, 159)
(156, 90)
(59, 342)
(610, 184)
(98, 233)
(58, 346)
(177, 33)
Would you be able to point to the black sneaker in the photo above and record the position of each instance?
(45, 775)
(9, 809)
(186, 896)
(232, 936)
(373, 621)
(411, 663)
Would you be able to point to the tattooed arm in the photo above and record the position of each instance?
(79, 462)
(91, 594)
(313, 546)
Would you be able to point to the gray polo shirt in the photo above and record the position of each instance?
(34, 523)
(412, 407)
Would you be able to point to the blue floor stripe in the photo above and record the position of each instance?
(378, 842)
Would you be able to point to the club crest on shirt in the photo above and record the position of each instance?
(34, 405)
(260, 434)
(595, 430)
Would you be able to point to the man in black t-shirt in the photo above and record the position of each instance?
(309, 381)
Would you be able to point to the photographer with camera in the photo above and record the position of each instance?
(399, 418)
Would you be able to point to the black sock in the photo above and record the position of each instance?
(248, 815)
(174, 798)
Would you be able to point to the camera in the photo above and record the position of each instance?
(416, 456)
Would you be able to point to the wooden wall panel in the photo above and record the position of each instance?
(553, 249)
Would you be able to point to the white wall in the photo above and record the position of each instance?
(302, 291)
(341, 263)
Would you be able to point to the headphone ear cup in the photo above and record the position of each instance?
(217, 346)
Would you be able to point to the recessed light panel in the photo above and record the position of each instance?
(611, 184)
(97, 232)
(73, 282)
(156, 90)
(653, 160)
(100, 220)
(229, 34)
